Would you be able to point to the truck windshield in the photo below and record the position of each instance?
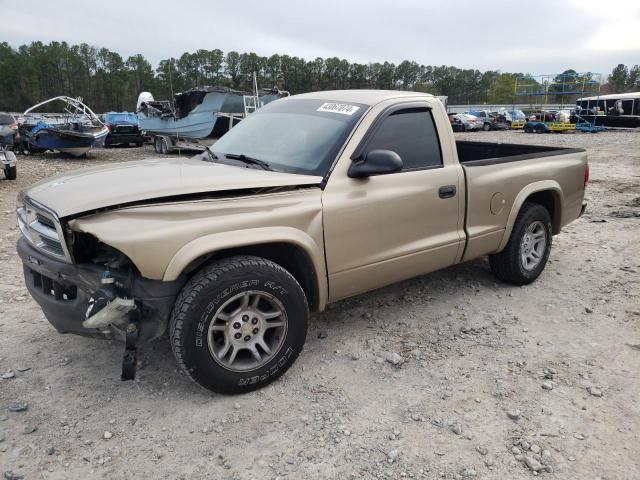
(293, 135)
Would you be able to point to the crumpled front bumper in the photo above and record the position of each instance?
(63, 291)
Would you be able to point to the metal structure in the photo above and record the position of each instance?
(562, 89)
(73, 106)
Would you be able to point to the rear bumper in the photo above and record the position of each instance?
(6, 162)
(63, 291)
(120, 138)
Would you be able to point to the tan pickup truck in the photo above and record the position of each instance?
(312, 199)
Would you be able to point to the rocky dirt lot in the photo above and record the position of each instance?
(450, 375)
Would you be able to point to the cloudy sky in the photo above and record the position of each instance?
(586, 35)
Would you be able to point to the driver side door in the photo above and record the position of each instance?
(385, 228)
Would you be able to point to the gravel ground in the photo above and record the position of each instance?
(490, 381)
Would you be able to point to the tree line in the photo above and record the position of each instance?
(107, 81)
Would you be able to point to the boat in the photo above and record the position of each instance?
(200, 112)
(74, 132)
(612, 110)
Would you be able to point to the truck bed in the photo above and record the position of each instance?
(472, 153)
(497, 173)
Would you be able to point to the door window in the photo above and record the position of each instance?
(410, 133)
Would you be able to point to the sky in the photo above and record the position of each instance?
(543, 37)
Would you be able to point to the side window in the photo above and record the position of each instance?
(410, 133)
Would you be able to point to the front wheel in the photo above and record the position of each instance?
(486, 127)
(528, 249)
(239, 324)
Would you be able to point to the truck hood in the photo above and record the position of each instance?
(89, 189)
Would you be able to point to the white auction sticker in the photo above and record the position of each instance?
(338, 108)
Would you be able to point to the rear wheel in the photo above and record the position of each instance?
(528, 129)
(486, 127)
(160, 145)
(539, 129)
(528, 249)
(239, 324)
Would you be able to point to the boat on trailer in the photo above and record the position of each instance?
(200, 112)
(74, 132)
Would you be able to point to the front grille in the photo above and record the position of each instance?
(52, 246)
(42, 229)
(45, 221)
(53, 288)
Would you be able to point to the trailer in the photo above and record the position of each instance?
(165, 143)
(545, 127)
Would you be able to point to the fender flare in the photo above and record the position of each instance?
(541, 186)
(216, 242)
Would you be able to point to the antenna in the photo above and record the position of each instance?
(174, 104)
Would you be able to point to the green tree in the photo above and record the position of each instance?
(37, 71)
(619, 79)
(502, 90)
(633, 80)
(233, 68)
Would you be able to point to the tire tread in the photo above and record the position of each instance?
(505, 264)
(202, 279)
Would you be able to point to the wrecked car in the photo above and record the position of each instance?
(312, 199)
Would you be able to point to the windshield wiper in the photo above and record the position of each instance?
(212, 156)
(250, 160)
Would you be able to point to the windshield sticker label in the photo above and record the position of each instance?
(338, 108)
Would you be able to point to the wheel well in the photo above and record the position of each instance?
(549, 200)
(290, 257)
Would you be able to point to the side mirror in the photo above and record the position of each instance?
(377, 162)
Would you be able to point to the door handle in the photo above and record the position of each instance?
(447, 191)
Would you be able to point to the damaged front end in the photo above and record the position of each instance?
(86, 287)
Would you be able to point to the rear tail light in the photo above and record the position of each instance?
(13, 126)
(110, 127)
(586, 176)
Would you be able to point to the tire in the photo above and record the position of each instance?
(198, 339)
(157, 145)
(486, 127)
(11, 173)
(528, 129)
(509, 265)
(164, 146)
(539, 129)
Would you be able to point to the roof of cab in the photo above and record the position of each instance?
(367, 97)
